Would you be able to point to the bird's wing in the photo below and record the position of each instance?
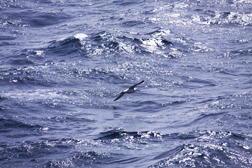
(132, 87)
(121, 94)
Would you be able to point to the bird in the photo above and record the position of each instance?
(132, 89)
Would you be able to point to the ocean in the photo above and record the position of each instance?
(63, 62)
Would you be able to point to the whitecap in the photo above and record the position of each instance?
(81, 36)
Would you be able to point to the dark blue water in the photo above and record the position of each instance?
(63, 62)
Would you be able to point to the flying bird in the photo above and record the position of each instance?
(132, 89)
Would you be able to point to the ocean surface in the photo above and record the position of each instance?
(63, 62)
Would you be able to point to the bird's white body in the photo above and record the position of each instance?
(130, 90)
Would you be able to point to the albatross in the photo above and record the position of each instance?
(132, 89)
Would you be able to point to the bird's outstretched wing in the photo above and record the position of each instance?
(121, 94)
(132, 87)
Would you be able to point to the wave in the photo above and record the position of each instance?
(132, 23)
(13, 129)
(34, 18)
(169, 154)
(25, 76)
(210, 149)
(126, 3)
(6, 40)
(203, 148)
(105, 44)
(65, 152)
(64, 47)
(195, 148)
(122, 135)
(87, 159)
(117, 134)
(152, 136)
(31, 153)
(10, 123)
(225, 17)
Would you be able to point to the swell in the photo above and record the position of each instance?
(13, 129)
(33, 18)
(25, 76)
(34, 151)
(13, 124)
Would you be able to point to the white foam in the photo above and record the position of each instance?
(81, 36)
